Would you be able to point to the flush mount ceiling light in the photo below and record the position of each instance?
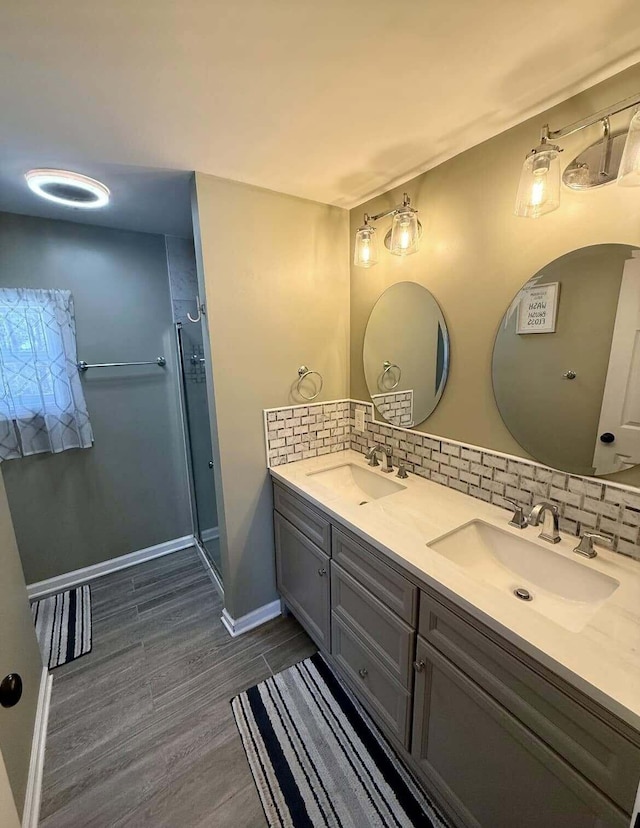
(402, 240)
(615, 156)
(68, 188)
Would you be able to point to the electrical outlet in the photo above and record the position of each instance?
(360, 420)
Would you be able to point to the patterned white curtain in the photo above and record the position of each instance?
(42, 406)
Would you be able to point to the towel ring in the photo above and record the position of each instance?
(303, 373)
(387, 367)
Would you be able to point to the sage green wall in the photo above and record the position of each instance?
(19, 653)
(475, 255)
(276, 277)
(129, 491)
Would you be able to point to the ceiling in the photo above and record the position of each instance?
(333, 100)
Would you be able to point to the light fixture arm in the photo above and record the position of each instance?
(406, 202)
(590, 120)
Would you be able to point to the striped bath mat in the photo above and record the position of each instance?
(317, 760)
(63, 625)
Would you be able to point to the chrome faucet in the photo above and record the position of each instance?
(518, 518)
(372, 458)
(550, 526)
(585, 547)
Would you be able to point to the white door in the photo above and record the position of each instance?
(620, 412)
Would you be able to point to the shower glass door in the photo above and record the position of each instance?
(198, 438)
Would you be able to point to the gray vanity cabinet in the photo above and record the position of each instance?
(499, 739)
(494, 771)
(302, 577)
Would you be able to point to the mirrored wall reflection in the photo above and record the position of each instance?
(406, 354)
(566, 361)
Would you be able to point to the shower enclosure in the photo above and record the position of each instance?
(198, 440)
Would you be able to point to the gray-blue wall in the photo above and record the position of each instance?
(129, 491)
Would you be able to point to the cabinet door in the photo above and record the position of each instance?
(494, 772)
(302, 576)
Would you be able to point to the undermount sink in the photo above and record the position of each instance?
(565, 591)
(355, 484)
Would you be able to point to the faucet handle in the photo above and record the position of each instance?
(371, 456)
(402, 471)
(518, 519)
(585, 547)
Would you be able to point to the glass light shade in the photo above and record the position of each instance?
(539, 189)
(405, 233)
(629, 171)
(366, 249)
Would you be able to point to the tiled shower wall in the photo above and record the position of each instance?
(299, 432)
(583, 501)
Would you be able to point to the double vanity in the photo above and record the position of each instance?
(505, 670)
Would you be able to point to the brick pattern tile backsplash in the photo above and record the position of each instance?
(583, 501)
(396, 407)
(299, 432)
(303, 431)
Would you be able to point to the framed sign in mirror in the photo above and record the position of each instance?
(406, 354)
(571, 397)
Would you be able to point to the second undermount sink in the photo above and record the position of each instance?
(355, 484)
(566, 591)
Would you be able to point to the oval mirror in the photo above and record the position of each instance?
(406, 354)
(566, 361)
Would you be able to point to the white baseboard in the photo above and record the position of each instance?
(237, 626)
(31, 811)
(80, 576)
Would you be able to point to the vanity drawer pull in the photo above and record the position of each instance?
(418, 666)
(322, 571)
(363, 672)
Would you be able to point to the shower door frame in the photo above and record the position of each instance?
(212, 571)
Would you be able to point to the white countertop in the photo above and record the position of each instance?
(602, 660)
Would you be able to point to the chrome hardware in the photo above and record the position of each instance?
(84, 366)
(570, 375)
(371, 457)
(518, 518)
(585, 547)
(402, 471)
(303, 373)
(363, 672)
(550, 531)
(419, 666)
(523, 594)
(388, 366)
(322, 571)
(201, 311)
(210, 464)
(388, 453)
(197, 360)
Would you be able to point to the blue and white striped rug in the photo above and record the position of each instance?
(63, 625)
(317, 760)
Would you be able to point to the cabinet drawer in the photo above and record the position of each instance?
(391, 638)
(310, 522)
(494, 770)
(302, 577)
(380, 693)
(384, 582)
(591, 745)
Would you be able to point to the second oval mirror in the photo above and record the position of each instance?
(406, 354)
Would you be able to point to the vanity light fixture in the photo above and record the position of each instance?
(68, 188)
(402, 240)
(615, 155)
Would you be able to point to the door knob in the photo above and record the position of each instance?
(210, 464)
(607, 437)
(10, 690)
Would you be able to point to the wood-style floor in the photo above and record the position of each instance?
(141, 731)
